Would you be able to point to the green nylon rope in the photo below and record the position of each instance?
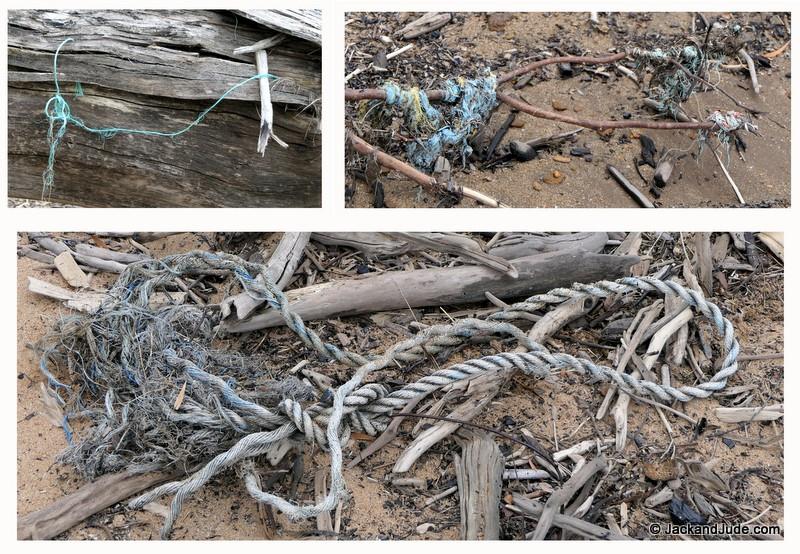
(59, 115)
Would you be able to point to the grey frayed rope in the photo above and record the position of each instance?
(366, 407)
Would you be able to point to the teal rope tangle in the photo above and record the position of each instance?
(59, 115)
(472, 101)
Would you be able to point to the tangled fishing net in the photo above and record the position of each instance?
(153, 392)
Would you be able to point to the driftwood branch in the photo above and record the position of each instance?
(441, 286)
(157, 71)
(600, 125)
(390, 162)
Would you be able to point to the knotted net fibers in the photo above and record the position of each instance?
(129, 363)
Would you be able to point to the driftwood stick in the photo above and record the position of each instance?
(479, 473)
(389, 56)
(751, 68)
(715, 87)
(563, 495)
(107, 254)
(414, 174)
(589, 60)
(35, 255)
(629, 187)
(70, 510)
(57, 247)
(69, 270)
(425, 24)
(324, 521)
(600, 125)
(266, 129)
(440, 286)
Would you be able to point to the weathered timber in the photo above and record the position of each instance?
(305, 24)
(479, 472)
(85, 502)
(441, 287)
(157, 70)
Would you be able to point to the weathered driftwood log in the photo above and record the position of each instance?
(479, 472)
(88, 500)
(517, 245)
(441, 286)
(509, 246)
(156, 70)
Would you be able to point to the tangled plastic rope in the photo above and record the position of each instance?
(59, 115)
(252, 428)
(472, 101)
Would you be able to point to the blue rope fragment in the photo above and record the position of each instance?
(59, 115)
(473, 99)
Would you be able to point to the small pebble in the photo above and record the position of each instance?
(558, 105)
(555, 178)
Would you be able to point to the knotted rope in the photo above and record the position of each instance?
(59, 116)
(365, 407)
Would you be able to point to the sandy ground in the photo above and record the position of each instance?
(763, 176)
(378, 510)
